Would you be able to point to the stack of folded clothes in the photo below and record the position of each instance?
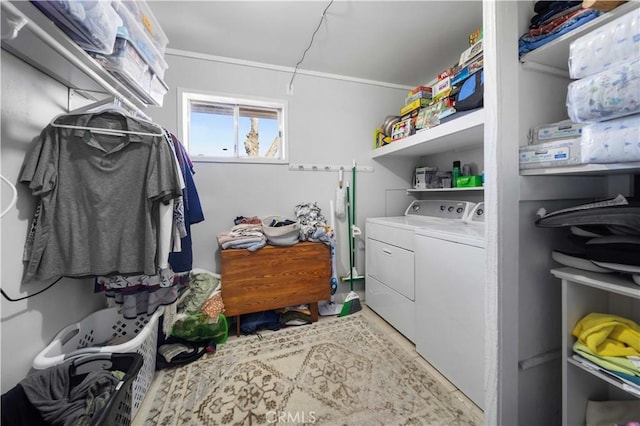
(553, 19)
(612, 343)
(244, 235)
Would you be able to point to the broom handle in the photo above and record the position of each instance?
(353, 194)
(349, 235)
(353, 221)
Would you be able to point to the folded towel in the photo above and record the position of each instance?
(609, 335)
(618, 364)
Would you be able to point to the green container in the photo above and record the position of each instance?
(468, 181)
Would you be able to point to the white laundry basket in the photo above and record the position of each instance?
(83, 338)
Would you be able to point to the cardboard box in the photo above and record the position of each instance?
(419, 89)
(418, 103)
(558, 153)
(431, 115)
(418, 95)
(402, 129)
(471, 53)
(468, 181)
(464, 72)
(442, 89)
(475, 36)
(562, 130)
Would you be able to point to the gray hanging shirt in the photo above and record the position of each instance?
(100, 196)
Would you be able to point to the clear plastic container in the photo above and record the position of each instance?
(136, 33)
(143, 15)
(91, 24)
(157, 90)
(126, 61)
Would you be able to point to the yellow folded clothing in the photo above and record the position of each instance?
(609, 335)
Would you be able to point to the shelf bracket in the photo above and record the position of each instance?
(14, 22)
(535, 66)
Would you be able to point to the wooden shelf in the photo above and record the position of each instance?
(554, 55)
(584, 169)
(475, 188)
(463, 132)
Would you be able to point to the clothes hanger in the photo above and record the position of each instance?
(106, 105)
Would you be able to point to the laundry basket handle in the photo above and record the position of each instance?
(46, 358)
(51, 355)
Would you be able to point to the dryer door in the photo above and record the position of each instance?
(450, 311)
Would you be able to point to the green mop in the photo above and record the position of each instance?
(352, 301)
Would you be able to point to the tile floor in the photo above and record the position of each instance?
(396, 337)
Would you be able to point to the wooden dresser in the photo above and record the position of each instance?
(275, 277)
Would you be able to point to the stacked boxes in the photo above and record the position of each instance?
(417, 98)
(92, 25)
(138, 57)
(123, 36)
(426, 105)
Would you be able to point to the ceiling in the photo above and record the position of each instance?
(400, 42)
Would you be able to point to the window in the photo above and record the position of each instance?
(228, 128)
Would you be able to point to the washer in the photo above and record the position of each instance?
(450, 300)
(390, 261)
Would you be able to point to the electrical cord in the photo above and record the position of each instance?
(310, 43)
(29, 295)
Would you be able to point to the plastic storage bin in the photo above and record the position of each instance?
(134, 31)
(157, 90)
(17, 409)
(126, 63)
(91, 24)
(86, 336)
(143, 15)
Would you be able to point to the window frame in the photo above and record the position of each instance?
(186, 96)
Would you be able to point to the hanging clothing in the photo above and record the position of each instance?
(141, 294)
(99, 197)
(182, 261)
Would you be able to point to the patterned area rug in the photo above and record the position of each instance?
(339, 371)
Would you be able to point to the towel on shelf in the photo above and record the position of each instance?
(618, 364)
(608, 335)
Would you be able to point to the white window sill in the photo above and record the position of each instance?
(203, 159)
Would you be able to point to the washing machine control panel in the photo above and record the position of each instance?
(477, 213)
(446, 209)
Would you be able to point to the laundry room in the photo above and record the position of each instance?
(319, 212)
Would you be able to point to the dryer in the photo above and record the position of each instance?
(390, 260)
(450, 300)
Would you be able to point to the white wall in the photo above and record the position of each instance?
(331, 121)
(29, 101)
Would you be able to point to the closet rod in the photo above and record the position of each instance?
(55, 45)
